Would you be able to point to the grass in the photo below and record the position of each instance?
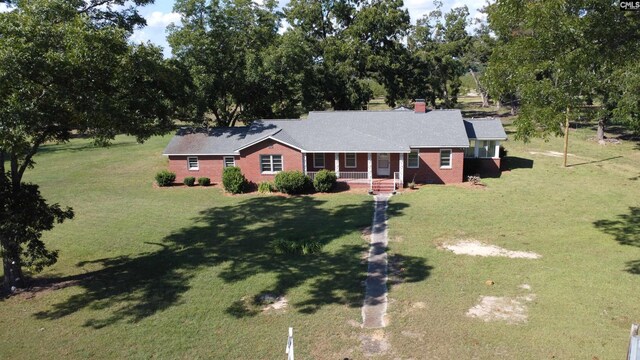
(174, 273)
(166, 273)
(584, 220)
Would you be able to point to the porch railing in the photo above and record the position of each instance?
(351, 176)
(397, 181)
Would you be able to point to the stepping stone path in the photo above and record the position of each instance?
(375, 300)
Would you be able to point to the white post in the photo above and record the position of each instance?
(289, 348)
(370, 171)
(476, 148)
(304, 162)
(337, 164)
(497, 154)
(401, 168)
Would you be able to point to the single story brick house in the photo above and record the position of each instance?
(376, 149)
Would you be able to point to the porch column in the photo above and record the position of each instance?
(401, 168)
(497, 154)
(337, 164)
(476, 148)
(369, 171)
(304, 163)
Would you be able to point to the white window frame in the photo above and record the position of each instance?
(193, 168)
(417, 152)
(355, 161)
(450, 159)
(271, 163)
(315, 160)
(224, 161)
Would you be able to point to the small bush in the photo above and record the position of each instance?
(296, 247)
(165, 178)
(291, 182)
(233, 180)
(474, 179)
(324, 180)
(204, 181)
(265, 187)
(189, 181)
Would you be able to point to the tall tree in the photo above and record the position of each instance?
(438, 43)
(225, 45)
(64, 70)
(559, 56)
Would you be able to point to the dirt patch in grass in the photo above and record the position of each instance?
(477, 248)
(366, 234)
(374, 344)
(549, 153)
(512, 310)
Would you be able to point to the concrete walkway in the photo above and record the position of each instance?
(375, 300)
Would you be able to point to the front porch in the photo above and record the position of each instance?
(384, 171)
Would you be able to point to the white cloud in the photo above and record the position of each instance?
(160, 19)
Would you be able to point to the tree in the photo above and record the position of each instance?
(66, 69)
(559, 57)
(476, 56)
(224, 44)
(438, 43)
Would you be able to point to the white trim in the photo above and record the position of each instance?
(450, 159)
(315, 161)
(271, 172)
(232, 154)
(439, 146)
(362, 152)
(267, 138)
(224, 161)
(355, 158)
(195, 168)
(409, 163)
(497, 139)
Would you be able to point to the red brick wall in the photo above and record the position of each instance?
(249, 160)
(209, 166)
(429, 170)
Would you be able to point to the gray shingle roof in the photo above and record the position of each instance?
(485, 129)
(340, 131)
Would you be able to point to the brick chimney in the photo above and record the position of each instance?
(420, 106)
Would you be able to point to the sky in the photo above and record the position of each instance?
(160, 14)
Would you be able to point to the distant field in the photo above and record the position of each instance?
(173, 273)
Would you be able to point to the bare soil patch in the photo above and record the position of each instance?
(512, 310)
(477, 248)
(374, 344)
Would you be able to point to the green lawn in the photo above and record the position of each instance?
(172, 273)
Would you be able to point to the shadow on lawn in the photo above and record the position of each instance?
(626, 231)
(133, 288)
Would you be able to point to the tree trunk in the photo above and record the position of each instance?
(601, 128)
(566, 136)
(13, 278)
(483, 93)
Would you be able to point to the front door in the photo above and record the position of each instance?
(384, 164)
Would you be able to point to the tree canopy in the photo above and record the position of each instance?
(67, 67)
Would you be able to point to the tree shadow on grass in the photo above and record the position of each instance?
(240, 235)
(626, 231)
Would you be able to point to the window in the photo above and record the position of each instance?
(270, 163)
(413, 159)
(318, 160)
(350, 160)
(192, 163)
(486, 148)
(445, 158)
(470, 151)
(229, 161)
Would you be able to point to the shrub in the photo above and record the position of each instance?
(296, 247)
(189, 181)
(324, 180)
(474, 179)
(265, 187)
(165, 178)
(233, 180)
(291, 182)
(204, 181)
